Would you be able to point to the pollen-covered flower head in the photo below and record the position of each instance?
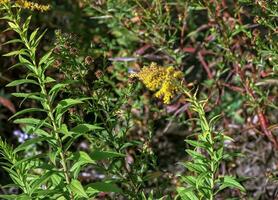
(25, 4)
(4, 1)
(163, 80)
(32, 5)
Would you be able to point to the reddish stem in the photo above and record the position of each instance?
(205, 65)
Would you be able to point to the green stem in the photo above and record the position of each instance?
(47, 104)
(207, 134)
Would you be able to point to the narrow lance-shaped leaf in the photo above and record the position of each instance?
(35, 96)
(17, 52)
(45, 58)
(84, 128)
(27, 110)
(231, 182)
(32, 121)
(40, 180)
(77, 188)
(104, 187)
(102, 155)
(81, 158)
(33, 35)
(64, 105)
(21, 81)
(27, 143)
(186, 194)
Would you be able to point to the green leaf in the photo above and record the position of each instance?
(91, 191)
(82, 158)
(49, 80)
(31, 121)
(68, 102)
(51, 194)
(27, 143)
(101, 155)
(64, 105)
(17, 197)
(40, 180)
(12, 41)
(201, 180)
(14, 176)
(105, 187)
(13, 25)
(84, 128)
(31, 158)
(195, 167)
(26, 63)
(227, 138)
(28, 110)
(218, 155)
(57, 87)
(29, 96)
(231, 182)
(35, 44)
(25, 25)
(76, 187)
(53, 156)
(15, 53)
(33, 35)
(30, 129)
(57, 179)
(21, 81)
(24, 60)
(186, 194)
(11, 196)
(45, 58)
(195, 155)
(191, 180)
(23, 197)
(196, 143)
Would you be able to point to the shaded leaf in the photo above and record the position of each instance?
(186, 194)
(28, 143)
(84, 128)
(28, 110)
(31, 121)
(231, 182)
(20, 81)
(101, 155)
(81, 158)
(105, 187)
(76, 187)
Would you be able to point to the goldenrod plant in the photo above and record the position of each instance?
(161, 79)
(208, 152)
(75, 123)
(51, 175)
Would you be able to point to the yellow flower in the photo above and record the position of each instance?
(4, 1)
(160, 79)
(32, 6)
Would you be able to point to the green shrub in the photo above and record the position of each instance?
(208, 64)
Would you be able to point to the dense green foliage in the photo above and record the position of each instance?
(90, 121)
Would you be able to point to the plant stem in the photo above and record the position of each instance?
(206, 134)
(46, 105)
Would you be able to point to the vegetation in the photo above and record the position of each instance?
(138, 99)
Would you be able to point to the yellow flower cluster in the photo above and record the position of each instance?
(4, 1)
(32, 6)
(28, 5)
(160, 79)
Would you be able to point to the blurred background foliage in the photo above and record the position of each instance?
(227, 49)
